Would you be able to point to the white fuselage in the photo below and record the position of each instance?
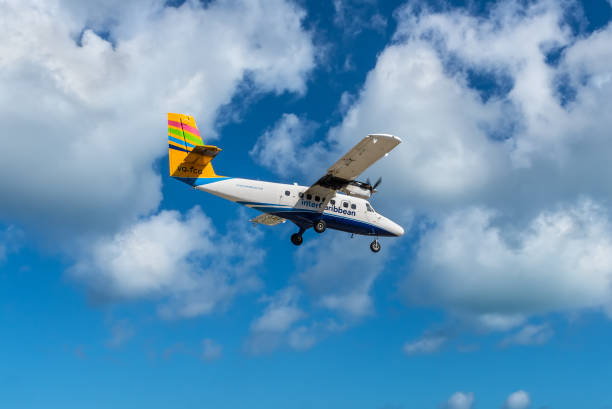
(340, 212)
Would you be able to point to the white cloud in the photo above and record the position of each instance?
(460, 400)
(270, 330)
(82, 160)
(561, 261)
(530, 335)
(427, 344)
(211, 350)
(355, 16)
(281, 147)
(439, 160)
(518, 151)
(517, 400)
(500, 178)
(179, 259)
(302, 338)
(341, 280)
(280, 313)
(496, 322)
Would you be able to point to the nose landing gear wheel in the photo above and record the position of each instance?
(320, 226)
(375, 246)
(296, 239)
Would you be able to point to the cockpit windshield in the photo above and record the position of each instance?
(369, 208)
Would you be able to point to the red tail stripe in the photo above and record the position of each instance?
(185, 127)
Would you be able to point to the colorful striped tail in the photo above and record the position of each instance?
(190, 159)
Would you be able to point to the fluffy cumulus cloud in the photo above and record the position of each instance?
(509, 173)
(272, 328)
(281, 148)
(281, 312)
(285, 323)
(560, 261)
(87, 86)
(339, 280)
(517, 400)
(536, 135)
(180, 260)
(329, 283)
(460, 400)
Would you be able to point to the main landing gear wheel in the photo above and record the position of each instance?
(375, 246)
(320, 226)
(297, 239)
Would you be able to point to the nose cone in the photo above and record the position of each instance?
(392, 228)
(396, 229)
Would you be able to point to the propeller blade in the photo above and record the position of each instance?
(377, 183)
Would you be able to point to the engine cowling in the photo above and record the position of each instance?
(354, 190)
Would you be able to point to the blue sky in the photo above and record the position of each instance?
(120, 287)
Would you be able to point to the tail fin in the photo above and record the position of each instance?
(189, 157)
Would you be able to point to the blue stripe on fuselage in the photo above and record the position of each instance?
(200, 181)
(337, 222)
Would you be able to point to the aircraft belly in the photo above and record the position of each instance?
(306, 219)
(357, 228)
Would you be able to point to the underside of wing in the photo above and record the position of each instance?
(268, 219)
(357, 160)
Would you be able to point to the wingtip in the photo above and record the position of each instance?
(386, 135)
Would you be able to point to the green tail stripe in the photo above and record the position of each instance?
(191, 138)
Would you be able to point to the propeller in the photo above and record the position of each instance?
(377, 183)
(372, 188)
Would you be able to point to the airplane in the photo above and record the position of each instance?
(336, 201)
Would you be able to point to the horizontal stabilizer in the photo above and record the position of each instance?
(268, 219)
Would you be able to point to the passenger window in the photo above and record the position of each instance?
(345, 204)
(317, 199)
(353, 206)
(301, 194)
(287, 193)
(308, 196)
(332, 202)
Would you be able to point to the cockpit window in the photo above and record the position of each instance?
(369, 207)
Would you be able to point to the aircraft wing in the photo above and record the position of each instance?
(357, 160)
(268, 219)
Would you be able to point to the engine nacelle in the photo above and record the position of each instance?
(357, 191)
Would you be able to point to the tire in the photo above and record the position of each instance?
(375, 246)
(296, 239)
(320, 226)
